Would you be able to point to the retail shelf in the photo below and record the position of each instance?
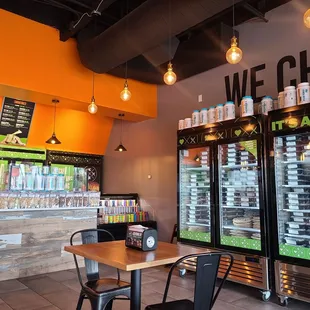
(205, 186)
(49, 209)
(297, 186)
(238, 166)
(296, 210)
(239, 207)
(196, 205)
(241, 228)
(197, 224)
(294, 161)
(197, 168)
(239, 186)
(298, 236)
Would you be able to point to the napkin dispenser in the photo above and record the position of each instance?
(141, 238)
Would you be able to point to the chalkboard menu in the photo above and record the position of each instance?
(15, 121)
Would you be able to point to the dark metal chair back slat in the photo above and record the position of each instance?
(100, 291)
(207, 266)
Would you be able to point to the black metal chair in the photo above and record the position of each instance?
(100, 291)
(207, 266)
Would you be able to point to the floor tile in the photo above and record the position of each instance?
(43, 285)
(222, 305)
(24, 300)
(11, 286)
(66, 299)
(73, 284)
(5, 307)
(62, 275)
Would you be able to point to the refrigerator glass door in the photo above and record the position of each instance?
(239, 191)
(194, 200)
(292, 177)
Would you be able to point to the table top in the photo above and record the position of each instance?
(116, 254)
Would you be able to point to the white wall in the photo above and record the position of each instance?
(152, 144)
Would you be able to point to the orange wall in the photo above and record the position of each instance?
(32, 58)
(78, 131)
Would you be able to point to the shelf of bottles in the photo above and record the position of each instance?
(32, 186)
(292, 172)
(194, 201)
(121, 211)
(240, 223)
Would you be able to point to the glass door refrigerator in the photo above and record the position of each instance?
(195, 188)
(240, 202)
(221, 196)
(289, 133)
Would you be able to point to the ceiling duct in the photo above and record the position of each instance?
(144, 29)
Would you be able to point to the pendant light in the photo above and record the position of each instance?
(197, 158)
(170, 77)
(125, 94)
(234, 54)
(307, 18)
(53, 139)
(92, 108)
(121, 147)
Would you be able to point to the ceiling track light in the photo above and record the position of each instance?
(53, 139)
(121, 147)
(234, 54)
(170, 77)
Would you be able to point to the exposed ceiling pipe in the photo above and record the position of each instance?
(143, 29)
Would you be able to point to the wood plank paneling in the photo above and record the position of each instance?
(32, 242)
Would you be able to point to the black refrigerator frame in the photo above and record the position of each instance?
(299, 111)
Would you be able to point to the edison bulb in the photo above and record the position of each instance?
(92, 108)
(170, 77)
(307, 18)
(234, 54)
(125, 94)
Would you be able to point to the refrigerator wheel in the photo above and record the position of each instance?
(283, 301)
(266, 295)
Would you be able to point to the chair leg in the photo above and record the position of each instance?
(109, 305)
(80, 301)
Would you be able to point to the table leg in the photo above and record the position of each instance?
(135, 298)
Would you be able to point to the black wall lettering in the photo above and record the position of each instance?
(255, 83)
(304, 69)
(280, 71)
(236, 94)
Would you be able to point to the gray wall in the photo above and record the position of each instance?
(152, 144)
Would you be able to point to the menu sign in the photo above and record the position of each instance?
(15, 121)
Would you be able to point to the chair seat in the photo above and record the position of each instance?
(107, 285)
(183, 304)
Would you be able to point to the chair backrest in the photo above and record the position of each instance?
(207, 266)
(89, 236)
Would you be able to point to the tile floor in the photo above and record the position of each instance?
(60, 290)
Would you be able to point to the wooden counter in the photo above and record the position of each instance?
(32, 242)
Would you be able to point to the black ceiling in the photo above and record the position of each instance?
(200, 47)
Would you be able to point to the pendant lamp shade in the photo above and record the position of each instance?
(53, 139)
(121, 147)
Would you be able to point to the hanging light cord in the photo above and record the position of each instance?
(169, 12)
(126, 65)
(233, 28)
(93, 84)
(122, 130)
(54, 117)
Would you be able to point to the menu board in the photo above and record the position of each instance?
(15, 121)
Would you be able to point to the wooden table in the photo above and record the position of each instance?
(116, 254)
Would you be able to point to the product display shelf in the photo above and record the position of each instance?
(239, 166)
(198, 224)
(296, 210)
(48, 209)
(239, 207)
(197, 168)
(241, 228)
(298, 236)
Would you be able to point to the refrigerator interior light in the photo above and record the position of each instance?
(197, 158)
